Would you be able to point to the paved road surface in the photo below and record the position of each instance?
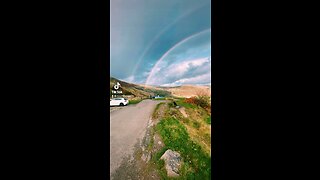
(127, 125)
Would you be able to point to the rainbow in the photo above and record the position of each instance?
(172, 48)
(162, 31)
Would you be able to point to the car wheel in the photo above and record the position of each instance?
(121, 104)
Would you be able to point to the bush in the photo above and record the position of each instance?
(203, 101)
(191, 100)
(200, 100)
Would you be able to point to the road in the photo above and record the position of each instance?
(127, 126)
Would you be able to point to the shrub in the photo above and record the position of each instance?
(200, 100)
(203, 101)
(191, 100)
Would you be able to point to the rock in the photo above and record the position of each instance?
(183, 112)
(172, 161)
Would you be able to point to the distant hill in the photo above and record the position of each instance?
(138, 90)
(145, 91)
(189, 90)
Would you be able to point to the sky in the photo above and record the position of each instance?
(161, 42)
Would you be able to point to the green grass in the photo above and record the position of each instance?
(160, 164)
(159, 99)
(208, 120)
(197, 164)
(135, 101)
(181, 102)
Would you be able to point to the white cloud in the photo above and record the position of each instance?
(201, 79)
(166, 74)
(179, 69)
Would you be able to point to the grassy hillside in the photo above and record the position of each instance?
(190, 136)
(138, 91)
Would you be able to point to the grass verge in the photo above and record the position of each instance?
(159, 99)
(175, 136)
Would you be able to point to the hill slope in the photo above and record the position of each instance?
(145, 91)
(189, 90)
(138, 90)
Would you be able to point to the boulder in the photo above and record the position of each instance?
(172, 161)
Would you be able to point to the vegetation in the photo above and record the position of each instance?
(188, 133)
(175, 136)
(183, 103)
(190, 136)
(208, 120)
(155, 91)
(160, 99)
(137, 90)
(201, 100)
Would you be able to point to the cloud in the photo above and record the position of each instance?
(182, 72)
(179, 69)
(201, 79)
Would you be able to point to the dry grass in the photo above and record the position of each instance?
(201, 135)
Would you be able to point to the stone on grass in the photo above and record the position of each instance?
(172, 161)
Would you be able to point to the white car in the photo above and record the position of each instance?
(119, 102)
